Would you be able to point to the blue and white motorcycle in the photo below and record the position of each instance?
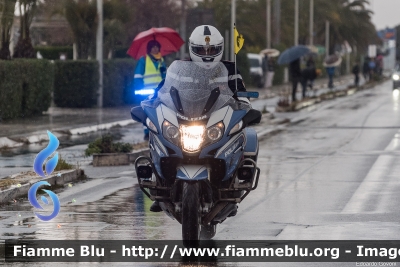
(202, 155)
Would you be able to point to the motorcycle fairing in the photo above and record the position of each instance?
(251, 147)
(158, 115)
(192, 172)
(232, 153)
(231, 118)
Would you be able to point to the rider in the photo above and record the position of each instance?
(206, 44)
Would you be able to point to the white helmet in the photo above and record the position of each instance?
(206, 44)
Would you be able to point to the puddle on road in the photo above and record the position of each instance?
(122, 215)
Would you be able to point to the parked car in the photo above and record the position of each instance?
(256, 62)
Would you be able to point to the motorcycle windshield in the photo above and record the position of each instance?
(195, 89)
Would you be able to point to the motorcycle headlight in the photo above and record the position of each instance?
(171, 132)
(192, 137)
(215, 132)
(151, 125)
(396, 77)
(236, 128)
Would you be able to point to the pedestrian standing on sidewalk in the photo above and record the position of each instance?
(149, 72)
(308, 76)
(366, 69)
(372, 66)
(330, 71)
(379, 65)
(270, 71)
(356, 72)
(295, 75)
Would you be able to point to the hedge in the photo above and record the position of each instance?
(37, 85)
(120, 52)
(76, 83)
(10, 90)
(25, 87)
(117, 81)
(53, 52)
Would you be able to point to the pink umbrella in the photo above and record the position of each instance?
(168, 38)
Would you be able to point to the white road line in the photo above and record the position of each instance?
(375, 190)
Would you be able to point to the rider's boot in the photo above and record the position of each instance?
(233, 212)
(155, 207)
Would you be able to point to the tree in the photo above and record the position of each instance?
(250, 20)
(154, 13)
(82, 18)
(7, 8)
(116, 17)
(24, 48)
(349, 21)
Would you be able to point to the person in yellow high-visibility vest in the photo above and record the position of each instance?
(149, 72)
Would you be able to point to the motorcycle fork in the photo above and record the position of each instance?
(205, 195)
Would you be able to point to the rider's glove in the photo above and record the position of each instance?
(244, 100)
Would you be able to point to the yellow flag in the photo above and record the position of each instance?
(239, 40)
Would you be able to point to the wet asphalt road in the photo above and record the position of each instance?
(334, 175)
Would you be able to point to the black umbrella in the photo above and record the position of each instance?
(293, 53)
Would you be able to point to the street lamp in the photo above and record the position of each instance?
(268, 20)
(99, 52)
(233, 19)
(296, 22)
(327, 38)
(311, 22)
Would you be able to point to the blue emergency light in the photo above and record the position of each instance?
(247, 94)
(144, 92)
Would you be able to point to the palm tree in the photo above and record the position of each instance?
(24, 48)
(7, 8)
(82, 18)
(349, 21)
(116, 16)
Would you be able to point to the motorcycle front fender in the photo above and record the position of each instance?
(192, 172)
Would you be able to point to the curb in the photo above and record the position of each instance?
(118, 159)
(15, 192)
(327, 96)
(6, 142)
(270, 132)
(94, 128)
(13, 142)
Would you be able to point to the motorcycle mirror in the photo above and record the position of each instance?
(138, 114)
(252, 117)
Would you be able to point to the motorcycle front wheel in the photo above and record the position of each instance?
(190, 214)
(207, 232)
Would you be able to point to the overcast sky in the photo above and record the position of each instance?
(386, 13)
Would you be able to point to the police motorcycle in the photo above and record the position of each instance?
(203, 158)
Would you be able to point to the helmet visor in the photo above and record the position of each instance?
(206, 50)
